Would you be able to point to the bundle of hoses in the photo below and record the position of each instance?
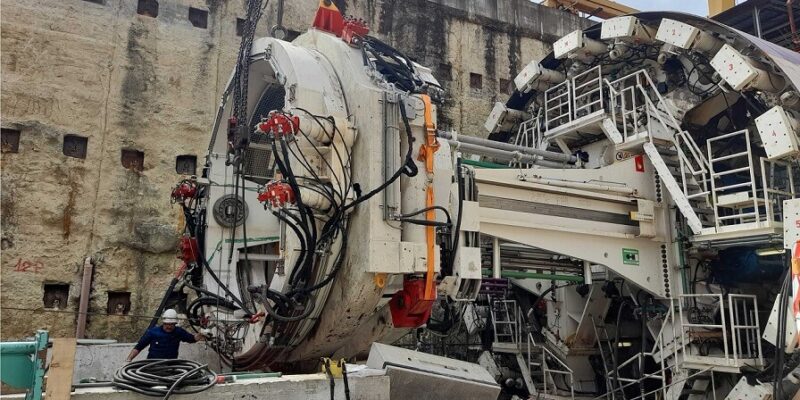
(163, 378)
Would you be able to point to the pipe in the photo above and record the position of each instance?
(534, 275)
(580, 185)
(548, 155)
(484, 164)
(254, 375)
(496, 258)
(505, 154)
(587, 272)
(90, 342)
(86, 289)
(17, 347)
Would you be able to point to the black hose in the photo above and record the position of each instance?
(344, 378)
(327, 364)
(615, 353)
(163, 302)
(163, 378)
(457, 229)
(780, 340)
(270, 294)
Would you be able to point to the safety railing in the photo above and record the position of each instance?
(659, 110)
(547, 372)
(638, 106)
(777, 181)
(639, 112)
(505, 321)
(660, 352)
(744, 208)
(558, 105)
(745, 327)
(703, 331)
(626, 109)
(739, 331)
(587, 92)
(529, 134)
(663, 388)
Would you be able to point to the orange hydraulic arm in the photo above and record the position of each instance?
(426, 154)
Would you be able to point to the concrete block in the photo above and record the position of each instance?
(291, 387)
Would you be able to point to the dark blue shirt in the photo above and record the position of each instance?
(163, 345)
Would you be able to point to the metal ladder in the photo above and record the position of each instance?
(505, 325)
(608, 357)
(538, 355)
(505, 321)
(740, 200)
(528, 135)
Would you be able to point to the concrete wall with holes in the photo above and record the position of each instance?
(101, 97)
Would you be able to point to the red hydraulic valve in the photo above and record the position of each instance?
(354, 28)
(279, 124)
(189, 249)
(256, 317)
(277, 193)
(409, 309)
(184, 190)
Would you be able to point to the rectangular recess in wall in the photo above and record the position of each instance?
(240, 26)
(148, 8)
(9, 139)
(475, 80)
(119, 303)
(75, 146)
(56, 295)
(506, 86)
(186, 164)
(198, 17)
(132, 159)
(445, 72)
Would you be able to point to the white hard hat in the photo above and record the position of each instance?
(170, 316)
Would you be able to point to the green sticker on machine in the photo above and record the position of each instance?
(630, 256)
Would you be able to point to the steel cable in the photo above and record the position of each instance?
(163, 378)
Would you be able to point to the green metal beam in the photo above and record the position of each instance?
(533, 275)
(257, 375)
(483, 164)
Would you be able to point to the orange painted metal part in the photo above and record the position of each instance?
(795, 285)
(426, 152)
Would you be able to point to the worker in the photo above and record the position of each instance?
(164, 340)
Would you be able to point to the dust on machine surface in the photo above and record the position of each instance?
(626, 231)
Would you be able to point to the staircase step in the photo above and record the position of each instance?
(674, 189)
(667, 152)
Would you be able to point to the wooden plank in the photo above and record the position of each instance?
(59, 375)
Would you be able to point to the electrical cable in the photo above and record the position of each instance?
(780, 340)
(344, 378)
(326, 363)
(163, 378)
(408, 167)
(457, 231)
(615, 353)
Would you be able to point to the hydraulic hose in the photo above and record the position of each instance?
(163, 378)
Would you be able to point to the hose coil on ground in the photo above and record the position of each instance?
(163, 378)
